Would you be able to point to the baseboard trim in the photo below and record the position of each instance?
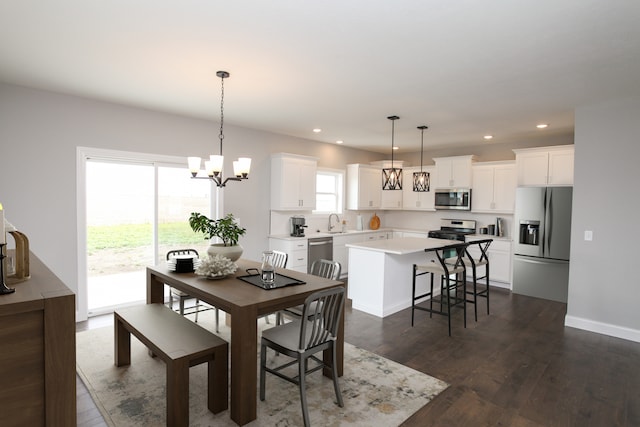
(602, 328)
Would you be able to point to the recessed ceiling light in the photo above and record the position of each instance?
(339, 141)
(542, 125)
(317, 130)
(395, 148)
(488, 137)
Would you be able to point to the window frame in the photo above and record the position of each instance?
(340, 174)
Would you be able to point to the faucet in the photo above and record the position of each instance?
(337, 217)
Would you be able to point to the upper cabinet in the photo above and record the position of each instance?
(452, 172)
(293, 182)
(364, 187)
(494, 187)
(417, 200)
(545, 165)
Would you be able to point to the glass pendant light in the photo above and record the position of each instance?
(392, 177)
(421, 179)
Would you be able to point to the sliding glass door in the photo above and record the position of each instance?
(136, 211)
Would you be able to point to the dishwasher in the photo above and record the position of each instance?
(319, 248)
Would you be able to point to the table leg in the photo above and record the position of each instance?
(155, 289)
(244, 365)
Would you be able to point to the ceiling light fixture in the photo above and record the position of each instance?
(213, 166)
(392, 177)
(542, 126)
(487, 137)
(421, 179)
(317, 130)
(339, 141)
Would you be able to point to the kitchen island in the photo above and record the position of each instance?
(381, 272)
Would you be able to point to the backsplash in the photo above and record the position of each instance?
(407, 220)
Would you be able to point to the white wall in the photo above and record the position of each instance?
(39, 133)
(604, 289)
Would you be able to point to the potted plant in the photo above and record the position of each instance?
(226, 229)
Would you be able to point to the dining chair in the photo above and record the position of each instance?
(450, 267)
(183, 296)
(280, 259)
(322, 268)
(302, 339)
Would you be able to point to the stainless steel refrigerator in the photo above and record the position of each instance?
(542, 242)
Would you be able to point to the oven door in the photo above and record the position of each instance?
(453, 199)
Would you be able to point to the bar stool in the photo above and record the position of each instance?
(451, 269)
(476, 262)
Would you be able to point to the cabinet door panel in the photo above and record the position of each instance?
(561, 167)
(504, 188)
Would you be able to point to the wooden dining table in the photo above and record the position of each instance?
(244, 303)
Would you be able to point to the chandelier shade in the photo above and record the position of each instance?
(392, 177)
(213, 167)
(421, 179)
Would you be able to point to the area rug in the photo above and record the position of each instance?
(376, 391)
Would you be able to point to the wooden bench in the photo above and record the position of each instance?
(181, 344)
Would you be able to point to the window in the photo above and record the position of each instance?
(329, 191)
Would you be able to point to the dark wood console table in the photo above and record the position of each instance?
(38, 351)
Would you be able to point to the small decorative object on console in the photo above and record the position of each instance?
(216, 267)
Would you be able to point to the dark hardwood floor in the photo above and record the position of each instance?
(519, 366)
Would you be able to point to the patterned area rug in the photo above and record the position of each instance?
(376, 391)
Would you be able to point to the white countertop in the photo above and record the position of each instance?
(402, 246)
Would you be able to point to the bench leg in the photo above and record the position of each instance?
(178, 393)
(218, 387)
(122, 350)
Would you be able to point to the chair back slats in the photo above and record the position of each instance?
(326, 268)
(177, 252)
(322, 310)
(280, 259)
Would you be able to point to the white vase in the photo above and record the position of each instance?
(231, 252)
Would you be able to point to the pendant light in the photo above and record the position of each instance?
(213, 166)
(421, 179)
(392, 177)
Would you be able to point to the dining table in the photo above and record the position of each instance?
(244, 304)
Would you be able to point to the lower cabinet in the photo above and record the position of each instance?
(499, 260)
(296, 249)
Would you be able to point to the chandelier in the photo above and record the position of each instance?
(421, 179)
(213, 166)
(392, 177)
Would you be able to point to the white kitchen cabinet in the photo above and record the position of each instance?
(499, 259)
(296, 249)
(391, 199)
(293, 182)
(545, 165)
(494, 187)
(418, 200)
(453, 172)
(364, 187)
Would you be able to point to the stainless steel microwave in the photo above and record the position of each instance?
(453, 199)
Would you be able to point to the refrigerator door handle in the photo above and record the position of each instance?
(545, 213)
(549, 221)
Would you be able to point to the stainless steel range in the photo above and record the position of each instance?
(454, 229)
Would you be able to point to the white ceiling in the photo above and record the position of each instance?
(465, 68)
